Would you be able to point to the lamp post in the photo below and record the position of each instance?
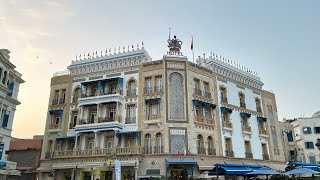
(111, 157)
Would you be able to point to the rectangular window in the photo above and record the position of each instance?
(131, 141)
(206, 113)
(112, 113)
(153, 108)
(90, 142)
(306, 130)
(270, 115)
(5, 118)
(316, 129)
(158, 81)
(131, 111)
(309, 145)
(1, 149)
(148, 82)
(290, 136)
(109, 143)
(312, 159)
(275, 139)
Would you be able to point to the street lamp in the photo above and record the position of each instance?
(111, 157)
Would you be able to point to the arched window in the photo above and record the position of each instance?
(211, 150)
(76, 95)
(200, 145)
(147, 145)
(132, 88)
(159, 146)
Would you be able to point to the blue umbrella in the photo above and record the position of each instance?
(301, 171)
(264, 171)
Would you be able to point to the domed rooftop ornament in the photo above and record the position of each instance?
(316, 114)
(174, 44)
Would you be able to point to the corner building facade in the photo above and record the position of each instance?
(170, 118)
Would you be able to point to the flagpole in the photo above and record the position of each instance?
(192, 51)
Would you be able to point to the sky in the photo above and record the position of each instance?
(278, 39)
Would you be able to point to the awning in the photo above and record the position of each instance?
(128, 132)
(95, 81)
(60, 111)
(261, 119)
(204, 104)
(243, 114)
(2, 163)
(234, 169)
(44, 169)
(180, 161)
(154, 99)
(315, 167)
(65, 138)
(225, 109)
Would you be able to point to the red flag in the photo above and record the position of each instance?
(191, 47)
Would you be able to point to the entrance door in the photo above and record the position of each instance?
(106, 175)
(179, 174)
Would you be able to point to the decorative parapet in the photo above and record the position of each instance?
(61, 73)
(99, 64)
(231, 70)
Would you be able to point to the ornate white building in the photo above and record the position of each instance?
(10, 80)
(169, 117)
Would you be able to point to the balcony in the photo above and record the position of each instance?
(227, 125)
(259, 109)
(249, 155)
(115, 96)
(55, 126)
(197, 91)
(200, 119)
(246, 128)
(242, 104)
(224, 99)
(131, 92)
(265, 156)
(212, 151)
(158, 89)
(147, 150)
(158, 150)
(207, 94)
(108, 119)
(229, 153)
(147, 90)
(130, 120)
(201, 150)
(101, 123)
(98, 152)
(262, 131)
(152, 116)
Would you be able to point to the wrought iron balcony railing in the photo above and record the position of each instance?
(229, 153)
(130, 120)
(249, 155)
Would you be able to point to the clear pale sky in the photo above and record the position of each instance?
(278, 39)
